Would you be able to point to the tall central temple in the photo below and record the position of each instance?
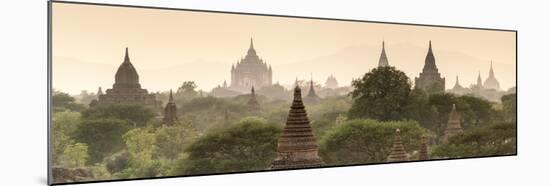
(250, 71)
(429, 79)
(126, 88)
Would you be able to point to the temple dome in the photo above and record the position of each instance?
(126, 75)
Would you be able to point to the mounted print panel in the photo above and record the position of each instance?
(140, 92)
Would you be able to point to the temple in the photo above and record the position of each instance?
(453, 125)
(331, 82)
(383, 61)
(429, 79)
(250, 71)
(459, 89)
(398, 152)
(170, 111)
(297, 147)
(423, 149)
(491, 82)
(312, 97)
(127, 89)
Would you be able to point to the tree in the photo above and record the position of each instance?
(172, 140)
(64, 125)
(488, 140)
(63, 101)
(75, 155)
(140, 144)
(509, 107)
(381, 94)
(250, 145)
(186, 92)
(367, 141)
(136, 115)
(419, 109)
(103, 136)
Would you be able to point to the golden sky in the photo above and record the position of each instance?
(168, 47)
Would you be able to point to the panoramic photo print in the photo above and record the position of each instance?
(149, 93)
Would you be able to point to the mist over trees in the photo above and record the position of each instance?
(222, 134)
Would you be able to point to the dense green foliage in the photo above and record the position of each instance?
(380, 94)
(509, 107)
(103, 136)
(367, 141)
(495, 139)
(63, 101)
(249, 145)
(136, 115)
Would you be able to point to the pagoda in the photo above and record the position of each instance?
(491, 82)
(429, 79)
(398, 152)
(297, 147)
(170, 111)
(252, 103)
(453, 125)
(423, 149)
(312, 97)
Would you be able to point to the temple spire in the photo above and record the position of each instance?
(479, 79)
(398, 152)
(126, 56)
(171, 97)
(251, 43)
(383, 61)
(491, 73)
(99, 91)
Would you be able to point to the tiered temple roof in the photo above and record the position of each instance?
(398, 152)
(331, 82)
(250, 71)
(170, 111)
(297, 147)
(453, 125)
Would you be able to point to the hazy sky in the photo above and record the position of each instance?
(168, 47)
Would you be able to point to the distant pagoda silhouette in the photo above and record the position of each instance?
(398, 152)
(126, 88)
(429, 79)
(170, 111)
(250, 71)
(331, 82)
(383, 61)
(312, 97)
(252, 103)
(423, 149)
(491, 82)
(453, 126)
(297, 147)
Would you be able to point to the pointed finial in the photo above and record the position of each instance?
(171, 98)
(430, 47)
(251, 43)
(383, 44)
(126, 56)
